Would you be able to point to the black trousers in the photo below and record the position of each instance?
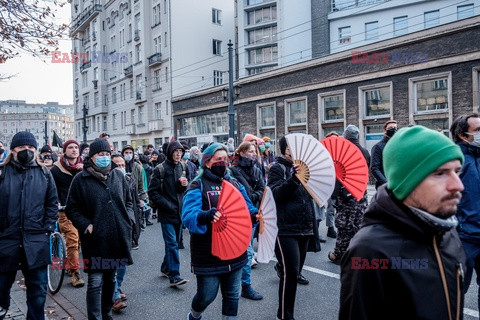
(291, 252)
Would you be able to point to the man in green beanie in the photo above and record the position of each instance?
(407, 261)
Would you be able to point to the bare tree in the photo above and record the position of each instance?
(29, 26)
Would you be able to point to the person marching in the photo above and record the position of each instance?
(199, 211)
(245, 171)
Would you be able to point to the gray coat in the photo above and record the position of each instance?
(106, 205)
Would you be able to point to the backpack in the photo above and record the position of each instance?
(161, 170)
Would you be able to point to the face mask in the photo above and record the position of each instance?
(122, 170)
(103, 162)
(476, 139)
(391, 132)
(186, 156)
(267, 145)
(128, 157)
(262, 148)
(25, 156)
(2, 151)
(219, 168)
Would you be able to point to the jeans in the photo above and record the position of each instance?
(472, 251)
(247, 269)
(207, 289)
(101, 286)
(71, 240)
(171, 261)
(36, 281)
(119, 280)
(330, 214)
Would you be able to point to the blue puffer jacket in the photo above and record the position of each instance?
(28, 212)
(468, 213)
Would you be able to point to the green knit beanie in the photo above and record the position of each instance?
(412, 154)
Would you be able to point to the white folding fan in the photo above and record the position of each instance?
(267, 232)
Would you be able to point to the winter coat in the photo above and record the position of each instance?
(63, 179)
(251, 178)
(295, 214)
(107, 205)
(137, 213)
(408, 284)
(135, 169)
(202, 195)
(28, 213)
(468, 212)
(169, 197)
(376, 165)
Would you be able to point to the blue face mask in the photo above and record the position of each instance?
(186, 156)
(267, 145)
(262, 148)
(103, 161)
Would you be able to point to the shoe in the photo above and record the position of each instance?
(333, 258)
(123, 296)
(254, 263)
(142, 227)
(181, 246)
(3, 313)
(77, 281)
(177, 282)
(278, 269)
(154, 216)
(302, 280)
(249, 293)
(149, 223)
(322, 239)
(118, 305)
(331, 233)
(164, 274)
(191, 317)
(134, 246)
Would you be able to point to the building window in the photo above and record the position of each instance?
(371, 30)
(465, 11)
(138, 54)
(441, 124)
(95, 99)
(156, 80)
(344, 35)
(157, 44)
(377, 102)
(262, 15)
(216, 16)
(114, 121)
(114, 95)
(132, 116)
(267, 116)
(158, 110)
(131, 88)
(400, 25)
(297, 112)
(141, 114)
(263, 35)
(431, 19)
(104, 128)
(217, 47)
(431, 95)
(333, 107)
(217, 77)
(263, 55)
(156, 15)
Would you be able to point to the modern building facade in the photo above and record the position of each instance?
(18, 115)
(140, 54)
(328, 93)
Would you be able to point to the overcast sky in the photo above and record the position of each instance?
(38, 81)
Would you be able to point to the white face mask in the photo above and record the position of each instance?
(129, 157)
(122, 170)
(476, 139)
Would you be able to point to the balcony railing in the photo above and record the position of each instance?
(155, 125)
(155, 59)
(128, 71)
(85, 17)
(85, 65)
(131, 129)
(338, 5)
(137, 35)
(139, 95)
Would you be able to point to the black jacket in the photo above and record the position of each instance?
(63, 178)
(28, 211)
(295, 213)
(376, 165)
(107, 205)
(251, 178)
(410, 286)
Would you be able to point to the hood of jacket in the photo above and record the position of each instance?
(172, 146)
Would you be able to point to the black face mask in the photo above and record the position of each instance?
(25, 156)
(219, 169)
(391, 132)
(2, 150)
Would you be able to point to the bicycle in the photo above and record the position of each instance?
(58, 255)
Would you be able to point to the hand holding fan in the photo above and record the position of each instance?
(267, 232)
(351, 167)
(232, 233)
(317, 173)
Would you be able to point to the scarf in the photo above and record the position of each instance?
(99, 173)
(72, 168)
(436, 222)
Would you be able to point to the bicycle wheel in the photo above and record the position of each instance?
(56, 270)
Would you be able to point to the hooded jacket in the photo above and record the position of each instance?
(166, 191)
(376, 165)
(407, 283)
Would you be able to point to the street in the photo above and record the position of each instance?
(150, 297)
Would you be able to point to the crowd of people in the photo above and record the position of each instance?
(416, 240)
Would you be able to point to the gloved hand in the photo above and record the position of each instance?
(205, 217)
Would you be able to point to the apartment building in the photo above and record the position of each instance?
(18, 115)
(140, 54)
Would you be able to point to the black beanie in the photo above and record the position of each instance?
(282, 143)
(97, 146)
(46, 148)
(23, 138)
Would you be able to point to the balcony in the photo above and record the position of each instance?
(155, 59)
(128, 71)
(86, 65)
(85, 41)
(139, 95)
(137, 35)
(82, 20)
(338, 5)
(131, 129)
(94, 36)
(156, 125)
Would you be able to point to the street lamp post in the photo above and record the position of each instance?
(46, 133)
(84, 126)
(231, 106)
